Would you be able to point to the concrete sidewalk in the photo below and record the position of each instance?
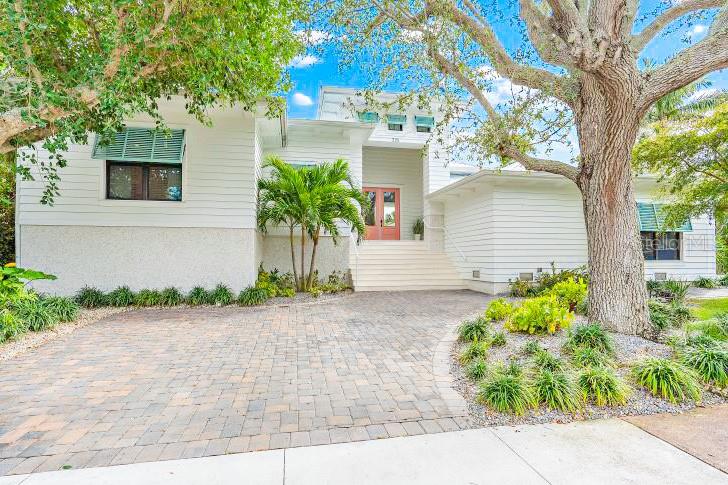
(608, 451)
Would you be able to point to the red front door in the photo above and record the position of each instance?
(382, 218)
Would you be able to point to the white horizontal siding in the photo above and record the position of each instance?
(218, 180)
(398, 168)
(523, 226)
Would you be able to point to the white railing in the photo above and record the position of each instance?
(447, 236)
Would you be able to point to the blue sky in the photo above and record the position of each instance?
(320, 66)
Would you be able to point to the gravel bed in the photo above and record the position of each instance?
(31, 340)
(628, 349)
(305, 298)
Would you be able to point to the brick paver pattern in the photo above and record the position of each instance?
(166, 384)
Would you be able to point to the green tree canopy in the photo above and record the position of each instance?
(68, 67)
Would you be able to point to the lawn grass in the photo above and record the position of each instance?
(709, 308)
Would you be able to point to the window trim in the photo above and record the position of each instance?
(679, 248)
(145, 179)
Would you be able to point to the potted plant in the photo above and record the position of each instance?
(418, 229)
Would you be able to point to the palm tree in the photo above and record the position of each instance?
(314, 199)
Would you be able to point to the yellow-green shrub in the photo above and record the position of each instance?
(540, 315)
(569, 292)
(498, 309)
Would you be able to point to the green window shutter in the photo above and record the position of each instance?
(368, 117)
(142, 145)
(396, 119)
(652, 218)
(425, 121)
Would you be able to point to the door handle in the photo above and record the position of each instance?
(381, 222)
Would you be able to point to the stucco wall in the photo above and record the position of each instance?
(329, 257)
(140, 257)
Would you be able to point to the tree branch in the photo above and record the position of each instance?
(708, 55)
(639, 41)
(27, 51)
(544, 38)
(529, 76)
(505, 147)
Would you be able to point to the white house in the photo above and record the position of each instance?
(151, 211)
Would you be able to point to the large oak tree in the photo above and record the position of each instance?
(69, 67)
(581, 64)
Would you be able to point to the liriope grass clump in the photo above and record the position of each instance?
(171, 297)
(148, 298)
(709, 361)
(545, 360)
(90, 297)
(252, 296)
(667, 379)
(221, 295)
(476, 369)
(556, 390)
(198, 296)
(64, 308)
(121, 296)
(472, 330)
(532, 347)
(592, 336)
(602, 386)
(506, 392)
(589, 357)
(34, 314)
(498, 339)
(475, 350)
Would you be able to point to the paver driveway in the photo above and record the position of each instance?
(164, 384)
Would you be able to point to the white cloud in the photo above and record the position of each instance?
(313, 37)
(698, 29)
(300, 99)
(305, 61)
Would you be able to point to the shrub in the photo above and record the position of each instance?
(35, 315)
(474, 350)
(659, 314)
(698, 340)
(287, 292)
(582, 308)
(545, 360)
(591, 336)
(198, 296)
(653, 287)
(667, 379)
(674, 290)
(506, 393)
(222, 295)
(477, 369)
(602, 386)
(539, 315)
(723, 280)
(171, 297)
(64, 308)
(498, 339)
(471, 330)
(710, 362)
(148, 298)
(545, 281)
(680, 314)
(121, 296)
(498, 309)
(556, 390)
(532, 347)
(270, 288)
(569, 292)
(522, 289)
(589, 357)
(10, 325)
(252, 296)
(704, 282)
(315, 291)
(90, 297)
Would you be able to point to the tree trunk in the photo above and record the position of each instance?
(293, 256)
(313, 259)
(302, 279)
(608, 126)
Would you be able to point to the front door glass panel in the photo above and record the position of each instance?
(389, 200)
